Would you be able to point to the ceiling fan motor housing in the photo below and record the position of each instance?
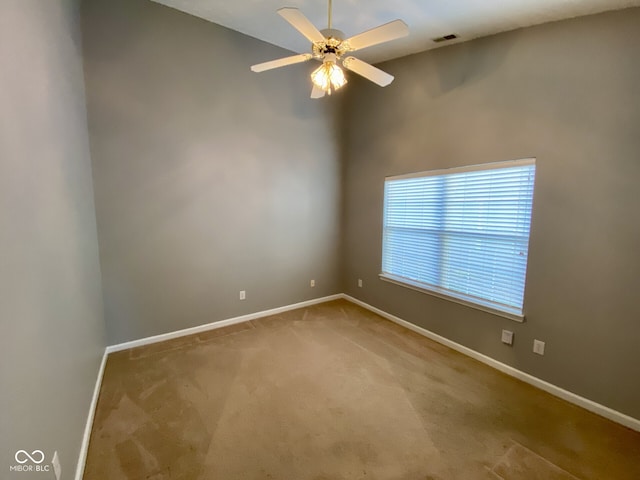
(334, 43)
(333, 33)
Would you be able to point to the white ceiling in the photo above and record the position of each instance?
(427, 19)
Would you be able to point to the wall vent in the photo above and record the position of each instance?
(445, 38)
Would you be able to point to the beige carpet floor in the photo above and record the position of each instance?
(335, 392)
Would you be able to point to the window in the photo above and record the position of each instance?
(461, 233)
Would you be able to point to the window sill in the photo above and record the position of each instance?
(462, 300)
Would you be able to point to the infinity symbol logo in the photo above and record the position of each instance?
(31, 457)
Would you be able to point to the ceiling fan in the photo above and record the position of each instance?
(329, 47)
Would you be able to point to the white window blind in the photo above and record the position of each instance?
(461, 233)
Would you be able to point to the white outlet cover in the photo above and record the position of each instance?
(538, 347)
(507, 337)
(360, 282)
(313, 283)
(243, 294)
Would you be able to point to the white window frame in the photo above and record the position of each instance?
(516, 314)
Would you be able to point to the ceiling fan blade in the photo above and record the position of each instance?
(317, 92)
(301, 23)
(367, 71)
(383, 33)
(281, 62)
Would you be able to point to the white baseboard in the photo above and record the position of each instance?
(219, 324)
(570, 397)
(84, 447)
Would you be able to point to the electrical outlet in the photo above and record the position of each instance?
(312, 283)
(243, 294)
(538, 347)
(360, 282)
(507, 337)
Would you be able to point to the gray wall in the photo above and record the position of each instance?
(209, 179)
(567, 93)
(51, 327)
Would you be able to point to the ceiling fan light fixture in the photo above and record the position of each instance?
(329, 76)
